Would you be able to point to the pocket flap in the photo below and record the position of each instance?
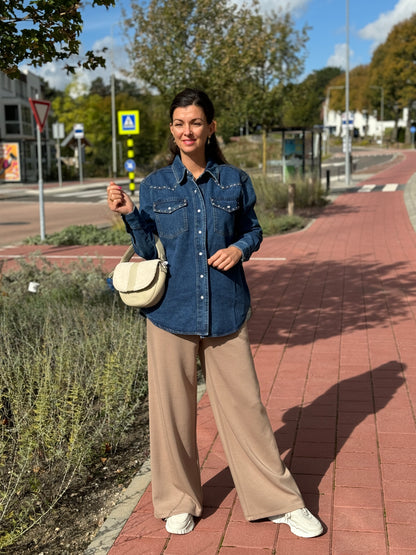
(134, 276)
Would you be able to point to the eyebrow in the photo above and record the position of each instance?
(192, 120)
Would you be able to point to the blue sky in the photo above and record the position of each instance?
(369, 24)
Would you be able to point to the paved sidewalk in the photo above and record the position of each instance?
(333, 335)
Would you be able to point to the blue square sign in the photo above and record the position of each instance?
(128, 122)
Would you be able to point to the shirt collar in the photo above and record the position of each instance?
(179, 170)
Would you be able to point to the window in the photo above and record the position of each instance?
(11, 116)
(27, 121)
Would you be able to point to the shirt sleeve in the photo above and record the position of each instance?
(140, 224)
(249, 233)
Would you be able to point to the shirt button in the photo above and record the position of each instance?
(199, 210)
(201, 276)
(200, 253)
(200, 232)
(202, 297)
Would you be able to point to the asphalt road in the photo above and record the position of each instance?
(73, 204)
(21, 219)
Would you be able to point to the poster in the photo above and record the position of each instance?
(9, 162)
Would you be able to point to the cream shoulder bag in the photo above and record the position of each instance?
(141, 284)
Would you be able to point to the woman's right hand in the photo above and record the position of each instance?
(119, 201)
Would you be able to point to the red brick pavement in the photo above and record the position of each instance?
(333, 335)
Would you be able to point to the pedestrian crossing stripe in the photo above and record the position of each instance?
(387, 188)
(390, 187)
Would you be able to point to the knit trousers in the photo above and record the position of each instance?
(264, 485)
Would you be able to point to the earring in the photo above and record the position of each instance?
(209, 140)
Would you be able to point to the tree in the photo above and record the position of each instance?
(393, 67)
(78, 104)
(40, 31)
(238, 56)
(177, 44)
(303, 101)
(360, 92)
(276, 61)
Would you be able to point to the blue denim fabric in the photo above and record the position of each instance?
(195, 218)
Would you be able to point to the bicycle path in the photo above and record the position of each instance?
(333, 336)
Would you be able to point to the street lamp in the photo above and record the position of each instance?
(113, 108)
(326, 114)
(381, 111)
(347, 94)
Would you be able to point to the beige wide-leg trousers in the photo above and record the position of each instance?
(264, 485)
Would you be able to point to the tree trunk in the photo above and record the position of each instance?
(264, 157)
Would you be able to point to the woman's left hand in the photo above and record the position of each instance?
(225, 259)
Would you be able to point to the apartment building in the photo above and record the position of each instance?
(18, 145)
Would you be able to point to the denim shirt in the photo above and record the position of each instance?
(194, 218)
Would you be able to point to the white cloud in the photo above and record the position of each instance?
(378, 30)
(339, 57)
(291, 6)
(57, 77)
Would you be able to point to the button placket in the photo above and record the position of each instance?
(201, 262)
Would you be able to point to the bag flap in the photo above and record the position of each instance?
(134, 276)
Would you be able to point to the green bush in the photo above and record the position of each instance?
(272, 194)
(72, 377)
(277, 225)
(84, 235)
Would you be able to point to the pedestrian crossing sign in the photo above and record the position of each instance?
(128, 122)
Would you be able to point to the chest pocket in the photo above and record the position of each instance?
(171, 217)
(224, 216)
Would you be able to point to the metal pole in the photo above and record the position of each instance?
(327, 111)
(347, 96)
(58, 155)
(382, 116)
(40, 178)
(80, 160)
(113, 125)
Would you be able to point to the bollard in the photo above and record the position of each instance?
(291, 199)
(328, 180)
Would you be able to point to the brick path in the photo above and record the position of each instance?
(333, 334)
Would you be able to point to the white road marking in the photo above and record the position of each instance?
(366, 188)
(389, 187)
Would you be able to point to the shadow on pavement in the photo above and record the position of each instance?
(350, 402)
(317, 299)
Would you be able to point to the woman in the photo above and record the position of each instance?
(203, 211)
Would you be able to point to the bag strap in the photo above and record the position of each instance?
(159, 247)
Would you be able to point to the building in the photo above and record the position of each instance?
(18, 144)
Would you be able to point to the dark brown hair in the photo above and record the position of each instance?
(189, 97)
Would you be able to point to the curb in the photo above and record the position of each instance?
(410, 199)
(114, 523)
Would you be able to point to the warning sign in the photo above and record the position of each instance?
(40, 109)
(128, 122)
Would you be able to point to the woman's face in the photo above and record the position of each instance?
(190, 129)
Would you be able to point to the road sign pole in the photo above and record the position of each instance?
(40, 109)
(130, 155)
(40, 185)
(58, 156)
(80, 160)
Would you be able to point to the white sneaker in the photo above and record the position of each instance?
(180, 524)
(302, 523)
